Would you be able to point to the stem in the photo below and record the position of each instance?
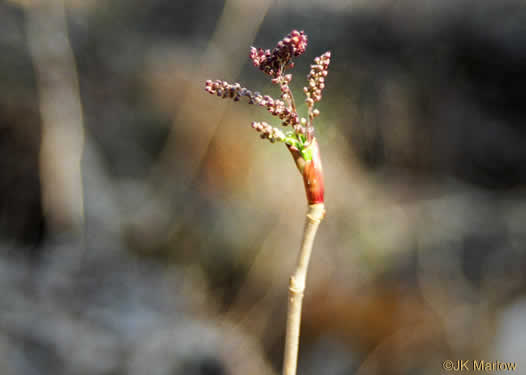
(309, 123)
(290, 101)
(297, 281)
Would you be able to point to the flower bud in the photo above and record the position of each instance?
(274, 62)
(316, 76)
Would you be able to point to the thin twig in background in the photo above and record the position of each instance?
(238, 24)
(62, 120)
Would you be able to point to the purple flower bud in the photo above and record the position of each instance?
(317, 76)
(273, 62)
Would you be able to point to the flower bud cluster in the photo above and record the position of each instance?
(268, 132)
(274, 62)
(226, 90)
(234, 91)
(300, 141)
(316, 78)
(278, 108)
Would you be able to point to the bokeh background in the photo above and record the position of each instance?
(145, 228)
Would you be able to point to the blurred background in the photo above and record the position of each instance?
(145, 229)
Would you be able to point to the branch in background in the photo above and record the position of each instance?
(61, 112)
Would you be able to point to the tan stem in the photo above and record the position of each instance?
(297, 281)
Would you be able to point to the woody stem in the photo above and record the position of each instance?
(297, 281)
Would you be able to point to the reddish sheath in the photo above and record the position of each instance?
(313, 176)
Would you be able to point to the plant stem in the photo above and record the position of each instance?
(309, 125)
(297, 281)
